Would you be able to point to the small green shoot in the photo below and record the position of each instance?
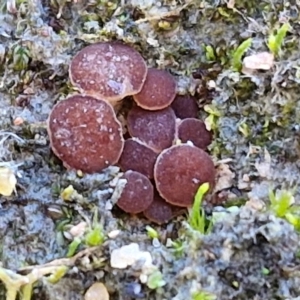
(275, 41)
(178, 248)
(155, 280)
(265, 271)
(236, 60)
(213, 116)
(73, 247)
(210, 53)
(21, 58)
(281, 202)
(95, 235)
(58, 274)
(282, 206)
(151, 232)
(203, 296)
(197, 218)
(244, 129)
(293, 217)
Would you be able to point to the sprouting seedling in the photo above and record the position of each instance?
(275, 41)
(197, 218)
(210, 53)
(73, 246)
(282, 206)
(212, 118)
(155, 280)
(151, 232)
(236, 60)
(95, 235)
(21, 57)
(281, 202)
(178, 247)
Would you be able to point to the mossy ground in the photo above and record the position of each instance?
(250, 254)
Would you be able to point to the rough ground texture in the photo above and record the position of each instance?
(250, 253)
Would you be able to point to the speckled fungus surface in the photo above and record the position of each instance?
(137, 194)
(159, 211)
(180, 170)
(108, 70)
(136, 156)
(85, 133)
(158, 92)
(194, 130)
(185, 106)
(155, 128)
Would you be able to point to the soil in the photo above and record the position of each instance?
(252, 251)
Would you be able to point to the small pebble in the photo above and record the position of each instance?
(156, 243)
(97, 291)
(78, 230)
(18, 121)
(127, 255)
(113, 234)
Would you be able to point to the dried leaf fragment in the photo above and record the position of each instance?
(264, 167)
(8, 181)
(225, 177)
(258, 61)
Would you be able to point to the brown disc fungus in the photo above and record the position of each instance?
(194, 130)
(138, 157)
(108, 70)
(155, 128)
(85, 133)
(160, 211)
(185, 106)
(180, 170)
(158, 92)
(137, 194)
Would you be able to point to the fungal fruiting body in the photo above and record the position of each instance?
(194, 130)
(137, 194)
(158, 92)
(185, 106)
(154, 128)
(85, 133)
(180, 170)
(108, 70)
(137, 156)
(160, 211)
